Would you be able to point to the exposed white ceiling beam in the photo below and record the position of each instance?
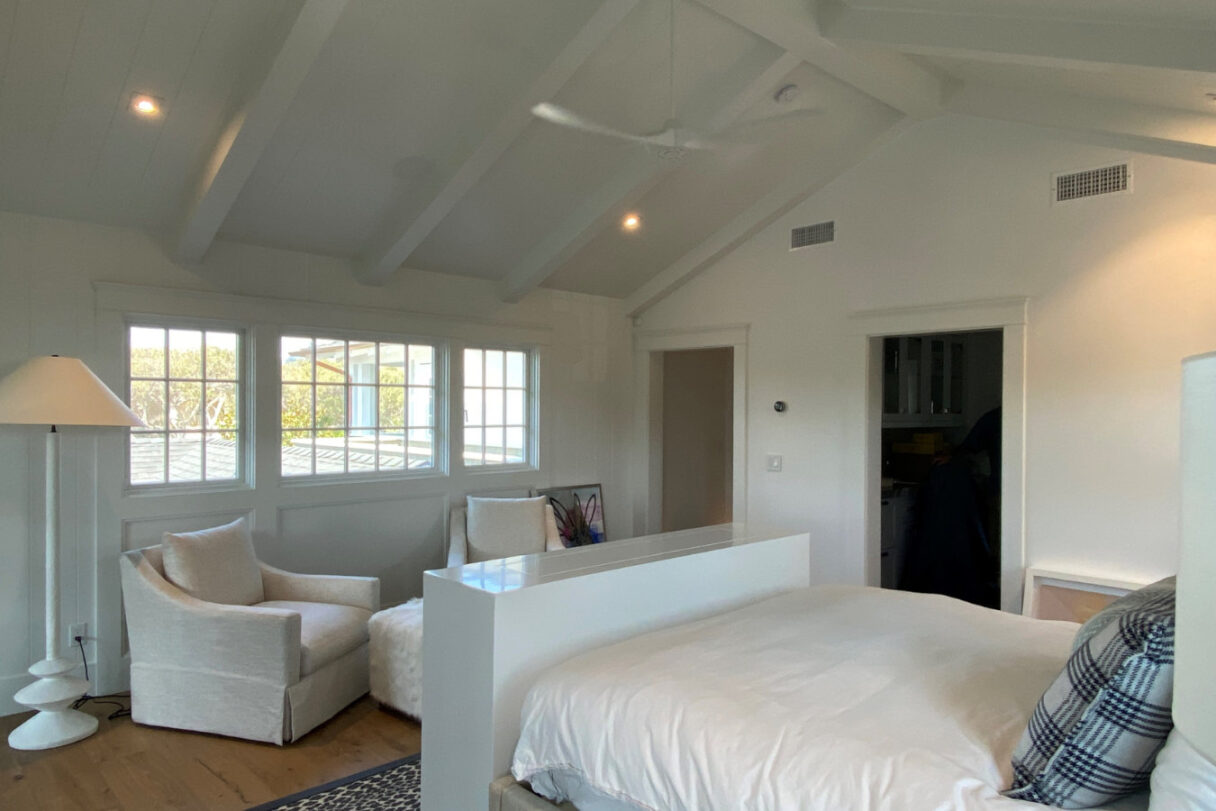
(792, 25)
(401, 238)
(602, 209)
(1102, 122)
(1064, 43)
(243, 140)
(799, 185)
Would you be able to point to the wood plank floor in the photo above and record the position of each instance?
(124, 766)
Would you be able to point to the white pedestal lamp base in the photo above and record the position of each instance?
(53, 695)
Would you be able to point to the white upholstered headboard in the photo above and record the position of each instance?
(1195, 663)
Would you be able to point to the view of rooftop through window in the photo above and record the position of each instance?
(186, 385)
(496, 424)
(350, 406)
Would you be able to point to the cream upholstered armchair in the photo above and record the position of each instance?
(489, 528)
(223, 643)
(492, 528)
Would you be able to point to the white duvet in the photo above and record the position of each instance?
(826, 698)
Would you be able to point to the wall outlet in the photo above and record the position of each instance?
(78, 629)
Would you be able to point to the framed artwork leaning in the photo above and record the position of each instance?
(579, 511)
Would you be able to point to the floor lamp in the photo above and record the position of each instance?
(56, 391)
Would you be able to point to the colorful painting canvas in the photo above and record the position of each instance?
(579, 511)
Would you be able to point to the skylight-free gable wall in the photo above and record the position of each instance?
(1120, 290)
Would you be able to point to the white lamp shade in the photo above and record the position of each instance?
(60, 391)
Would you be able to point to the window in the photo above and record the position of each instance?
(497, 425)
(350, 406)
(186, 385)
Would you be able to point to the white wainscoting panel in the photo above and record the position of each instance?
(393, 539)
(140, 532)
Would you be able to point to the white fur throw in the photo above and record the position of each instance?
(396, 657)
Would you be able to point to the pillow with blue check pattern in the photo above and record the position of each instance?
(1095, 733)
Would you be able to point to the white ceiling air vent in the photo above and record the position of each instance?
(1115, 179)
(806, 235)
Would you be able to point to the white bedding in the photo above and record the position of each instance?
(827, 698)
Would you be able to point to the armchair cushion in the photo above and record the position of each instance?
(501, 527)
(215, 565)
(360, 592)
(327, 631)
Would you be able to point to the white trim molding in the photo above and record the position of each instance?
(1006, 314)
(949, 317)
(648, 416)
(237, 308)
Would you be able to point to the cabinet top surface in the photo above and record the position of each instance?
(524, 571)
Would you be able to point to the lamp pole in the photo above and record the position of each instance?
(56, 690)
(52, 543)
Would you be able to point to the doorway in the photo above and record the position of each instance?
(650, 350)
(697, 437)
(941, 465)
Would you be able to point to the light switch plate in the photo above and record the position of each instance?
(773, 463)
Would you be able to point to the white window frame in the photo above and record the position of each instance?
(440, 386)
(532, 401)
(245, 381)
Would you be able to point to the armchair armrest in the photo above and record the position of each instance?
(553, 538)
(360, 592)
(458, 541)
(168, 627)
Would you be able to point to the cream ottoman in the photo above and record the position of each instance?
(396, 657)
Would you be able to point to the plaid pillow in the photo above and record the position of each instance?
(1095, 733)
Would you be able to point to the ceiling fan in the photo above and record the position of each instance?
(674, 141)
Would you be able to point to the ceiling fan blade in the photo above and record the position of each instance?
(695, 142)
(568, 118)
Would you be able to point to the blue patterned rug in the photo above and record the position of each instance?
(395, 786)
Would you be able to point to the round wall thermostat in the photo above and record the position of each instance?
(779, 406)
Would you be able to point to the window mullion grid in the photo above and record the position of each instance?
(346, 419)
(202, 409)
(502, 414)
(376, 429)
(165, 414)
(312, 376)
(484, 413)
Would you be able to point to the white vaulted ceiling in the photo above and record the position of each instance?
(399, 134)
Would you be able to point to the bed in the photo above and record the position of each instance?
(827, 697)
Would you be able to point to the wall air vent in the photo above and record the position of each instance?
(1092, 182)
(817, 234)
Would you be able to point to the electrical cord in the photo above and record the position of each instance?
(123, 710)
(83, 658)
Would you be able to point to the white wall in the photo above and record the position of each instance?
(48, 304)
(957, 209)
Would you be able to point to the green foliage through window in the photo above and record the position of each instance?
(350, 406)
(186, 385)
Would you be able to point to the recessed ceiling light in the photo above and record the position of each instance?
(631, 222)
(145, 105)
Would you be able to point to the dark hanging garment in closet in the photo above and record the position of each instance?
(947, 549)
